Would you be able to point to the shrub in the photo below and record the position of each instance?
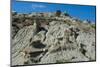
(58, 13)
(66, 13)
(93, 26)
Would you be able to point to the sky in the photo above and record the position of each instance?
(79, 11)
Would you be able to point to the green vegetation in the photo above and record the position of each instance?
(93, 26)
(66, 13)
(58, 13)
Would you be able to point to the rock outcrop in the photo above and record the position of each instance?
(58, 40)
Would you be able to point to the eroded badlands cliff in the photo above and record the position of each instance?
(44, 39)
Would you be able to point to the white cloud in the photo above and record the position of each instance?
(38, 6)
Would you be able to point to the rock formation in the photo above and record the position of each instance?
(44, 40)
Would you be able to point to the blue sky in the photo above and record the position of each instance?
(78, 11)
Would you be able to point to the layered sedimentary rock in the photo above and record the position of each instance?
(53, 40)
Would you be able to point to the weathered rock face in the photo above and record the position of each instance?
(56, 42)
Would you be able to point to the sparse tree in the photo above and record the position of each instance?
(58, 13)
(66, 13)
